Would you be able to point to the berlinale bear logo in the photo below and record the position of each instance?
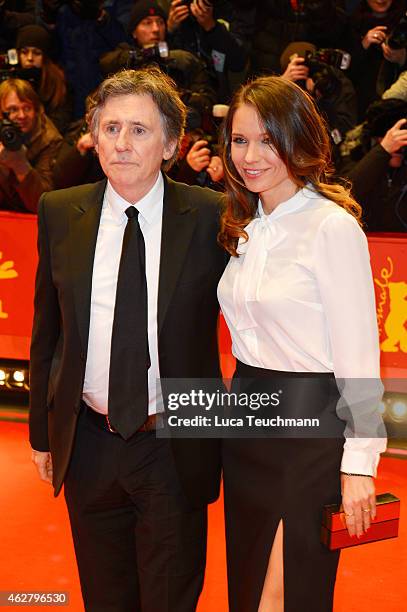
(394, 323)
(7, 271)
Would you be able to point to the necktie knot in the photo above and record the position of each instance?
(131, 212)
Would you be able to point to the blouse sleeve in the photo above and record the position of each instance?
(344, 276)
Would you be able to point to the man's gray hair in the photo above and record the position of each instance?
(148, 81)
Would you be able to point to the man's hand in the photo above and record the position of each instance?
(296, 70)
(177, 14)
(199, 155)
(358, 502)
(396, 56)
(375, 36)
(16, 161)
(203, 13)
(43, 463)
(395, 137)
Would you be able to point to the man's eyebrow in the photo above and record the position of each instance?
(116, 121)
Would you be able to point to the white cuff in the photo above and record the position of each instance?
(360, 462)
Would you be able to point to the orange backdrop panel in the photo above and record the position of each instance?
(18, 261)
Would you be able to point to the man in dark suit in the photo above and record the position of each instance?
(126, 294)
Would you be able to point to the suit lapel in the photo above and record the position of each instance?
(84, 226)
(179, 220)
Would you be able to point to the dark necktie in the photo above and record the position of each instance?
(129, 356)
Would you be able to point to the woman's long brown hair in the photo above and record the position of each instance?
(53, 84)
(300, 138)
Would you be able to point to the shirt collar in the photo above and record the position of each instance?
(298, 200)
(149, 206)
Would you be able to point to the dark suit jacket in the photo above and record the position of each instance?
(190, 267)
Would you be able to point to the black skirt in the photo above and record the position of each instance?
(290, 479)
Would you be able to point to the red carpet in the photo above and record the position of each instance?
(36, 552)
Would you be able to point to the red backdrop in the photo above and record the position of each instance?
(18, 257)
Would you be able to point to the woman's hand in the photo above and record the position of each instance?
(358, 503)
(215, 169)
(85, 143)
(375, 36)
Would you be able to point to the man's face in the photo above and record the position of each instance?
(22, 112)
(150, 31)
(131, 144)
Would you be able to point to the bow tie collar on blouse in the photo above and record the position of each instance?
(264, 232)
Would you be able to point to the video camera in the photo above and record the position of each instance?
(398, 38)
(321, 64)
(156, 53)
(11, 136)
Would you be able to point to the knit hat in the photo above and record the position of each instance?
(34, 36)
(143, 9)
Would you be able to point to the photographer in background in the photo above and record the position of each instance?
(29, 143)
(278, 23)
(219, 33)
(316, 71)
(148, 28)
(34, 45)
(374, 159)
(377, 55)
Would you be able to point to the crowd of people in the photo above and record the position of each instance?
(350, 56)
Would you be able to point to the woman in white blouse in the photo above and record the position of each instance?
(298, 298)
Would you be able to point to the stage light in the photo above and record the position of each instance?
(18, 376)
(399, 410)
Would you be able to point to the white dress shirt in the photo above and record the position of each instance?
(104, 283)
(300, 298)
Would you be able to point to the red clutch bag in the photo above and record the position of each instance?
(385, 525)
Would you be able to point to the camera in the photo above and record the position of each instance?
(337, 58)
(321, 64)
(32, 75)
(11, 136)
(155, 53)
(398, 38)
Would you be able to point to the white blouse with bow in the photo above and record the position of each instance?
(300, 298)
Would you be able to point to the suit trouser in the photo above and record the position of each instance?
(139, 544)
